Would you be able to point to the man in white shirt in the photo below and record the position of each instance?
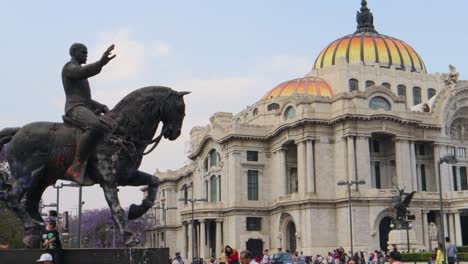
(266, 257)
(178, 259)
(246, 257)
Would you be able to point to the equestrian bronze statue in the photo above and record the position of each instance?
(94, 145)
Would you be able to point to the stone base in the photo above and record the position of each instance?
(91, 256)
(399, 237)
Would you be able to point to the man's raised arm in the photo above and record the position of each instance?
(77, 72)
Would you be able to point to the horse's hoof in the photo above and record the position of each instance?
(134, 212)
(32, 241)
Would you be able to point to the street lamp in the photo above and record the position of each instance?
(164, 209)
(349, 184)
(193, 201)
(449, 159)
(58, 187)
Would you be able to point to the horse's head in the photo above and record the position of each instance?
(173, 114)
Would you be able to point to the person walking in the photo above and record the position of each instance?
(232, 255)
(246, 257)
(394, 257)
(266, 257)
(451, 251)
(440, 257)
(279, 257)
(178, 259)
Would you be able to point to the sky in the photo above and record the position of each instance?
(227, 53)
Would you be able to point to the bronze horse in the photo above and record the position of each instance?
(38, 154)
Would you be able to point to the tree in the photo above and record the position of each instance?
(11, 229)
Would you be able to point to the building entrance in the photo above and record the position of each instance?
(384, 229)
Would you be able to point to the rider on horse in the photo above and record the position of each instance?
(81, 110)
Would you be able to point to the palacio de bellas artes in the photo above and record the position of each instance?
(367, 114)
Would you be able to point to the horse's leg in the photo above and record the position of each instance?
(117, 212)
(139, 178)
(25, 178)
(33, 197)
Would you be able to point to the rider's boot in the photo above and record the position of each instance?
(86, 145)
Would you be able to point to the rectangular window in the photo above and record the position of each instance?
(213, 193)
(206, 190)
(452, 151)
(252, 155)
(423, 178)
(252, 185)
(378, 183)
(461, 153)
(376, 146)
(454, 177)
(421, 149)
(463, 180)
(254, 223)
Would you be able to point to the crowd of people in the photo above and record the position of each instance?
(337, 256)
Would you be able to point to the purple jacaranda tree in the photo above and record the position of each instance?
(97, 229)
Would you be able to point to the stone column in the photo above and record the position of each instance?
(363, 162)
(202, 238)
(301, 167)
(283, 171)
(458, 230)
(190, 253)
(219, 232)
(310, 166)
(451, 226)
(351, 160)
(402, 164)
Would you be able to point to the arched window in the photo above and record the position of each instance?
(369, 83)
(213, 185)
(379, 102)
(213, 158)
(387, 85)
(353, 85)
(416, 95)
(246, 116)
(273, 106)
(401, 90)
(430, 93)
(255, 112)
(289, 113)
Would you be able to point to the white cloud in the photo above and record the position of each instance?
(286, 64)
(161, 49)
(130, 59)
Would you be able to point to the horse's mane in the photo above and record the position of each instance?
(142, 97)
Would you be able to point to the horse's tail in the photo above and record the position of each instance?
(6, 135)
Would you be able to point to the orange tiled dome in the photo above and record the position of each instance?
(367, 47)
(306, 86)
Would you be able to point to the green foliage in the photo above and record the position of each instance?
(425, 256)
(422, 256)
(11, 229)
(462, 249)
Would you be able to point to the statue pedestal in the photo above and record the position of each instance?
(400, 238)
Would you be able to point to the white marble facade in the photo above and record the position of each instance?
(269, 173)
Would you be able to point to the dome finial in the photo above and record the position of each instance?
(365, 19)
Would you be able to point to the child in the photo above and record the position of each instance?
(52, 242)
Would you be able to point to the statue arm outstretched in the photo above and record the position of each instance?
(76, 72)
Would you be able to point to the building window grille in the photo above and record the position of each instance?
(416, 95)
(463, 179)
(461, 152)
(423, 178)
(254, 223)
(387, 85)
(378, 183)
(353, 85)
(430, 93)
(369, 84)
(219, 188)
(290, 113)
(213, 158)
(252, 155)
(213, 193)
(401, 90)
(273, 106)
(252, 185)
